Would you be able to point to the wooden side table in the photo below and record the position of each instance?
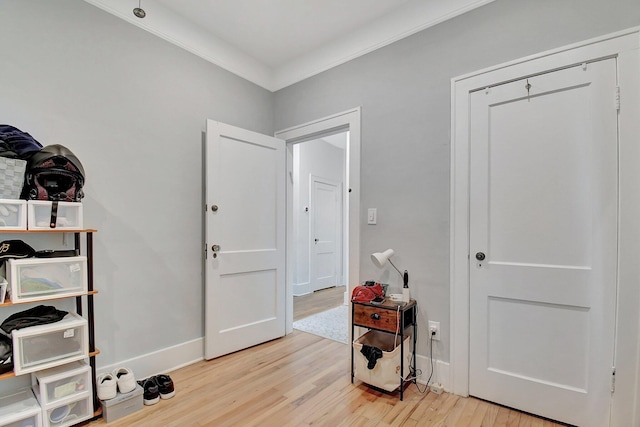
(389, 317)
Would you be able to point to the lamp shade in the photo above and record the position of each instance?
(381, 258)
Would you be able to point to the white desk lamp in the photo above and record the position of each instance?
(380, 259)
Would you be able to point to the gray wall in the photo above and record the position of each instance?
(404, 92)
(132, 107)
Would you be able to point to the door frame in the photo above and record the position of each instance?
(339, 238)
(625, 47)
(345, 121)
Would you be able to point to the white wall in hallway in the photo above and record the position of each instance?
(321, 159)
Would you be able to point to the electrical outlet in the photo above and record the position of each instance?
(434, 327)
(437, 388)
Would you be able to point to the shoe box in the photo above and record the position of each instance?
(122, 405)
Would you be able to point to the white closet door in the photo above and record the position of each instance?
(543, 209)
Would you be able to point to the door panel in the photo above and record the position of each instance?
(245, 277)
(539, 180)
(243, 163)
(247, 286)
(537, 358)
(543, 210)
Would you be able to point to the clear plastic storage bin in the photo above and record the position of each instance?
(62, 382)
(13, 214)
(68, 215)
(20, 410)
(386, 372)
(68, 412)
(45, 346)
(37, 279)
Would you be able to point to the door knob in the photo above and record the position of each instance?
(480, 256)
(214, 208)
(215, 248)
(375, 316)
(316, 240)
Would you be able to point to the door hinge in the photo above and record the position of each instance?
(613, 379)
(206, 253)
(617, 99)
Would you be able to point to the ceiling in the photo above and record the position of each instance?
(275, 43)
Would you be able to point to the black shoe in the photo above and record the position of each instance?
(165, 386)
(151, 396)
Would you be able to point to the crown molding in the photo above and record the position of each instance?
(183, 33)
(416, 16)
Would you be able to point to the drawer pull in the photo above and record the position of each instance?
(375, 316)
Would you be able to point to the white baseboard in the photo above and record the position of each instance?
(165, 360)
(440, 371)
(300, 289)
(172, 358)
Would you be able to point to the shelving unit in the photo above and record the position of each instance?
(79, 306)
(390, 318)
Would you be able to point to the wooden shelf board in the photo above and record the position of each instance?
(9, 303)
(12, 374)
(52, 230)
(7, 375)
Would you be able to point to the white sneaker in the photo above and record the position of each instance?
(106, 385)
(126, 380)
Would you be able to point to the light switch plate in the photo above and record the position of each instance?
(372, 216)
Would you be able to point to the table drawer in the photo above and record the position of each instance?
(376, 317)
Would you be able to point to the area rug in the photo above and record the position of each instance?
(332, 324)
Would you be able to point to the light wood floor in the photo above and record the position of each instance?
(307, 305)
(304, 380)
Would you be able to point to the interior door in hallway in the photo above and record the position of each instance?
(325, 232)
(245, 238)
(543, 242)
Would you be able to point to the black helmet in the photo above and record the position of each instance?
(55, 174)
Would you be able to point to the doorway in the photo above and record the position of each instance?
(252, 262)
(318, 178)
(332, 127)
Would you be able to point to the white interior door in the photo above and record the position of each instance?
(543, 209)
(325, 232)
(245, 220)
